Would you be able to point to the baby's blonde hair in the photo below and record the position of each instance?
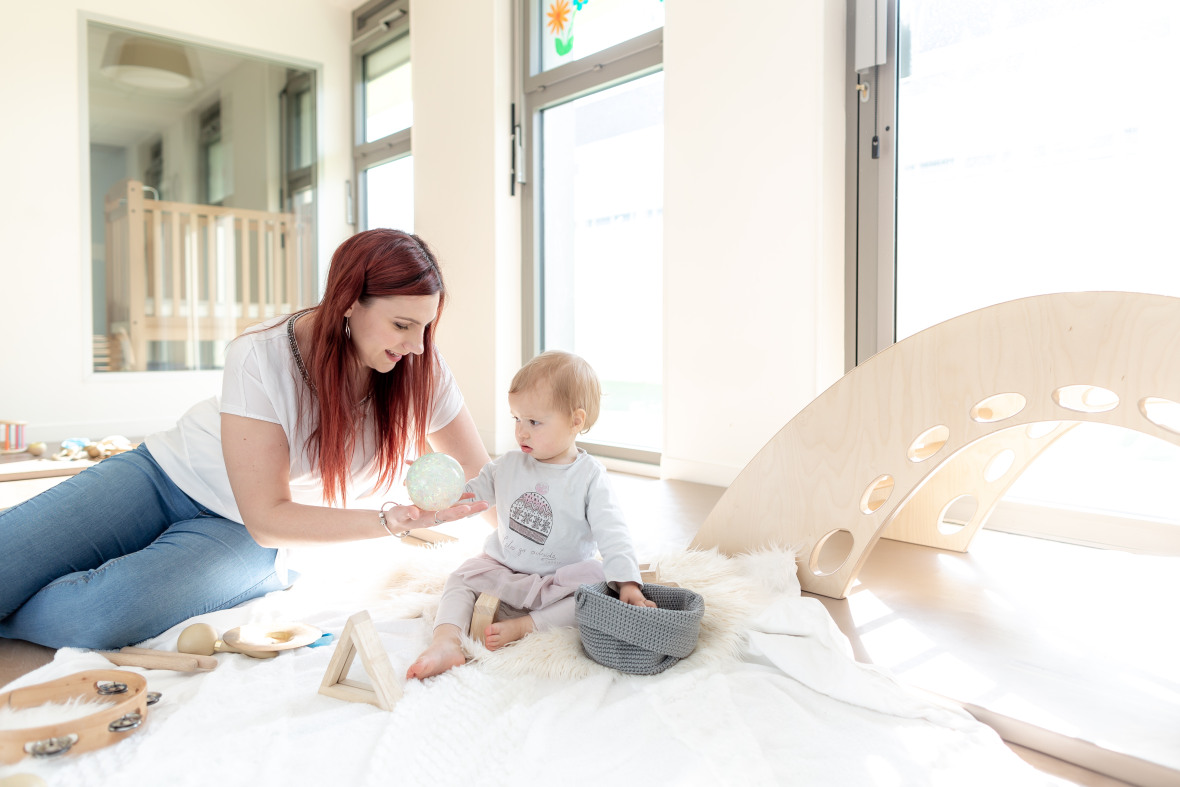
(572, 382)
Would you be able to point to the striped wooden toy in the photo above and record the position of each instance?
(12, 437)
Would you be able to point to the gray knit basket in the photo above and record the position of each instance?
(638, 640)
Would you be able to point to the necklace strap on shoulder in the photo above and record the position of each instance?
(295, 348)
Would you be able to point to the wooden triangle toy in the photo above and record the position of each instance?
(360, 637)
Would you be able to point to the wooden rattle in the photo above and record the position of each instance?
(202, 639)
(261, 641)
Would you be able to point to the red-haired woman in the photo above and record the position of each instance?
(319, 412)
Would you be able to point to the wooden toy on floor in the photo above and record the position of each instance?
(360, 637)
(12, 437)
(110, 724)
(203, 640)
(649, 574)
(270, 637)
(81, 448)
(484, 615)
(159, 659)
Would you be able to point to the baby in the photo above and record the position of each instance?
(554, 510)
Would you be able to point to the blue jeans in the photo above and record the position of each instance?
(118, 554)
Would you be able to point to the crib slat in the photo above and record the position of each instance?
(276, 271)
(260, 270)
(207, 252)
(175, 260)
(290, 265)
(139, 264)
(158, 267)
(242, 236)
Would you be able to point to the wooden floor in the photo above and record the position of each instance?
(1047, 642)
(1017, 630)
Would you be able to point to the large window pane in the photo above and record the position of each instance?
(389, 190)
(598, 25)
(602, 215)
(1036, 154)
(302, 131)
(389, 105)
(191, 241)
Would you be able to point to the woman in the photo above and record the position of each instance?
(318, 414)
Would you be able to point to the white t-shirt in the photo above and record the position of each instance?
(262, 381)
(552, 515)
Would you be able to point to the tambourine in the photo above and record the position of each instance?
(105, 726)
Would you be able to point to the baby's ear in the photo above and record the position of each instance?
(579, 419)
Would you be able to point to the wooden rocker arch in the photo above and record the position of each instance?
(961, 408)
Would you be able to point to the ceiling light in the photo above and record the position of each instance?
(148, 63)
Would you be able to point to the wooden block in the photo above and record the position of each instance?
(360, 637)
(649, 573)
(484, 615)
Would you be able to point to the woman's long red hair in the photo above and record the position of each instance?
(373, 264)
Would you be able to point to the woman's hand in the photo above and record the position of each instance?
(460, 510)
(629, 593)
(402, 518)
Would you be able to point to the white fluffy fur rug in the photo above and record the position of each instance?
(49, 713)
(734, 589)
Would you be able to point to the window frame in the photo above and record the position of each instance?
(296, 179)
(374, 24)
(872, 222)
(535, 92)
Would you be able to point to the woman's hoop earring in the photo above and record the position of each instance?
(347, 330)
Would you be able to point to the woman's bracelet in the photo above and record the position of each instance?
(385, 524)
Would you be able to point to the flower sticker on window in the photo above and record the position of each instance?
(559, 13)
(561, 24)
(560, 18)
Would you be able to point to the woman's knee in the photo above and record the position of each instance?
(83, 621)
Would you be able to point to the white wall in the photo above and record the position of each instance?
(462, 60)
(754, 179)
(44, 210)
(753, 219)
(753, 225)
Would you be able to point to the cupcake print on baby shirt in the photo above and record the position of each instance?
(532, 516)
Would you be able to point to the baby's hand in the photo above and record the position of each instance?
(629, 593)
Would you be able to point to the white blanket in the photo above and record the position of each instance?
(770, 696)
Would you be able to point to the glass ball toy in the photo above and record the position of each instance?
(435, 481)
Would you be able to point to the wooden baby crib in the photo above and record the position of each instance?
(194, 276)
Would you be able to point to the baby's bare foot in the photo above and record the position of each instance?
(444, 652)
(506, 632)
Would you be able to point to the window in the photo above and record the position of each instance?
(389, 190)
(299, 168)
(384, 116)
(211, 163)
(599, 26)
(593, 97)
(1023, 149)
(194, 238)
